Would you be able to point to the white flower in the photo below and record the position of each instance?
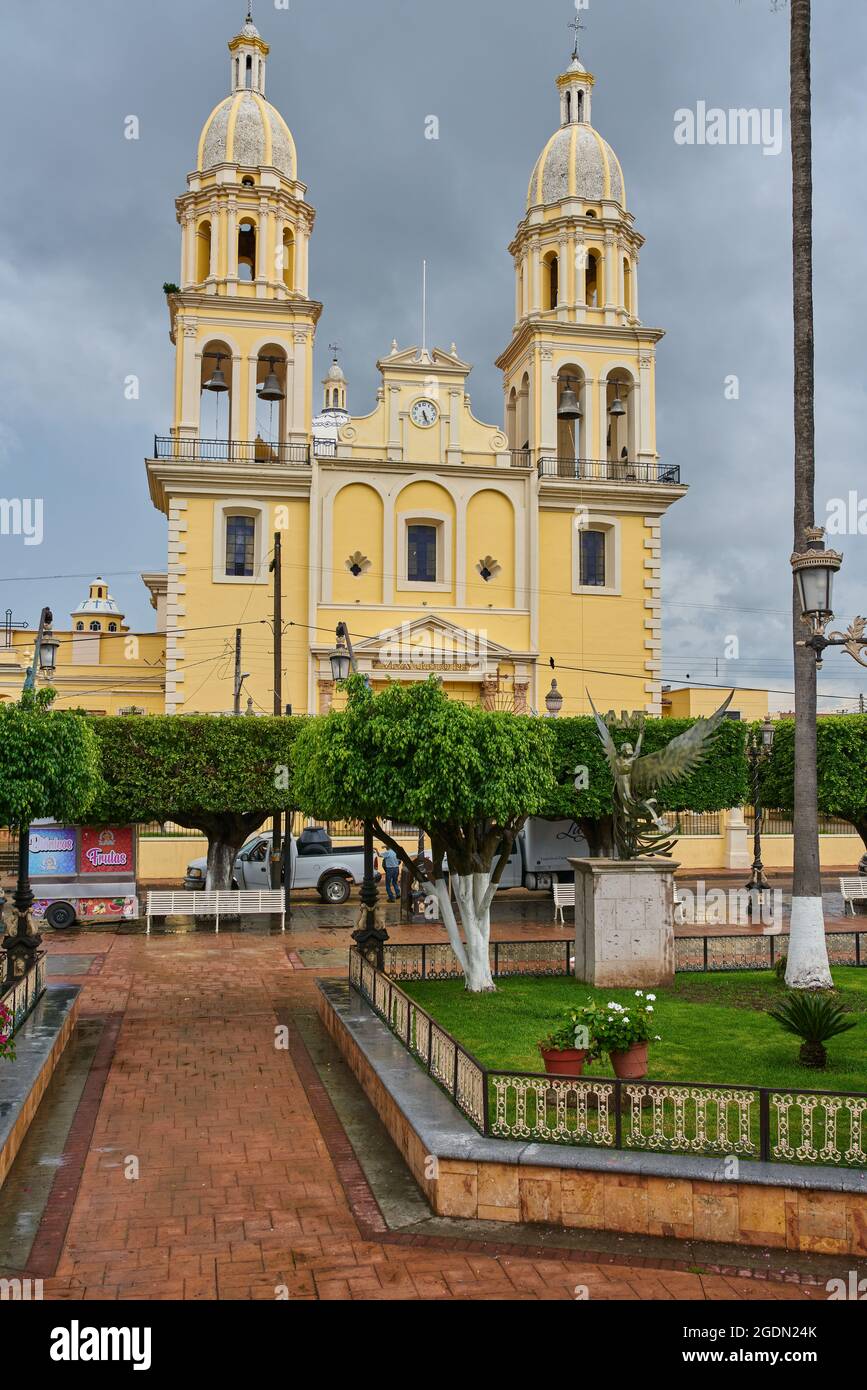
(638, 993)
(649, 1009)
(626, 1020)
(652, 998)
(609, 1005)
(657, 1038)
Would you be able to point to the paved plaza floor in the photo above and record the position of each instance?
(202, 1140)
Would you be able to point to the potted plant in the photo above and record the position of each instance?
(566, 1049)
(7, 1046)
(814, 1018)
(625, 1032)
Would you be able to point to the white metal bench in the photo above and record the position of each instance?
(854, 890)
(564, 896)
(203, 903)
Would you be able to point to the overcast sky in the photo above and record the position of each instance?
(88, 235)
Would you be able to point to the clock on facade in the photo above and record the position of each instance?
(424, 414)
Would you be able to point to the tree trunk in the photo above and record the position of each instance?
(807, 966)
(473, 895)
(221, 863)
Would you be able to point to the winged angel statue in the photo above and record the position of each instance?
(638, 828)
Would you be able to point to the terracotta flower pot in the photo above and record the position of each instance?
(566, 1062)
(630, 1064)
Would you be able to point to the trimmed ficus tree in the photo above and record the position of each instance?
(842, 764)
(221, 776)
(468, 777)
(48, 762)
(582, 780)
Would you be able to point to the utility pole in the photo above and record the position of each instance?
(240, 676)
(276, 568)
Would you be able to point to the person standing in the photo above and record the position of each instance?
(391, 864)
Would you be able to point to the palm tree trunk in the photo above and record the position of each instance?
(808, 955)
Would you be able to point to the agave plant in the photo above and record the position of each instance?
(814, 1018)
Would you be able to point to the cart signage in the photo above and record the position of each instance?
(52, 851)
(107, 851)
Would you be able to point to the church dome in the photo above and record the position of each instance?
(576, 163)
(246, 129)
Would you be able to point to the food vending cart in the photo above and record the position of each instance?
(82, 873)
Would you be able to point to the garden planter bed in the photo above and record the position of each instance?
(776, 1205)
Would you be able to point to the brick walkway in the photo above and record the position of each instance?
(247, 1186)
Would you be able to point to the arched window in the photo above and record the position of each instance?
(592, 279)
(240, 546)
(79, 627)
(95, 627)
(568, 107)
(112, 627)
(247, 251)
(552, 286)
(580, 106)
(248, 74)
(627, 285)
(203, 252)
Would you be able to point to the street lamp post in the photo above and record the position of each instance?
(758, 751)
(23, 943)
(370, 937)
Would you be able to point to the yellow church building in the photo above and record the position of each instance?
(482, 552)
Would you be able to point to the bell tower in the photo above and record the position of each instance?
(242, 321)
(579, 372)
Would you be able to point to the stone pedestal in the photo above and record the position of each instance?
(737, 848)
(624, 922)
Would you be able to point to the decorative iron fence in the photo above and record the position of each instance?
(230, 451)
(435, 960)
(609, 471)
(21, 993)
(693, 822)
(781, 823)
(771, 1124)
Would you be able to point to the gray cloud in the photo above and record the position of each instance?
(88, 236)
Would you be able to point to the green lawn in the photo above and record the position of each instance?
(714, 1027)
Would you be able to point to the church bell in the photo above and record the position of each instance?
(569, 407)
(217, 382)
(270, 390)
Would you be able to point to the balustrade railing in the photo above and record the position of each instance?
(609, 471)
(261, 451)
(772, 1124)
(21, 993)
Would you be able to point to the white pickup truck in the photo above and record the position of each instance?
(315, 864)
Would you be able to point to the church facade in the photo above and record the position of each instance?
(500, 556)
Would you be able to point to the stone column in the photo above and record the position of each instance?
(326, 695)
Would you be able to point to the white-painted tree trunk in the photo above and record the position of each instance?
(221, 864)
(807, 963)
(474, 894)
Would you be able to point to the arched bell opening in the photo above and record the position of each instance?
(247, 250)
(271, 376)
(551, 280)
(620, 388)
(571, 413)
(203, 252)
(215, 398)
(593, 280)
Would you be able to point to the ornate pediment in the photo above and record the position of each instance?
(433, 644)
